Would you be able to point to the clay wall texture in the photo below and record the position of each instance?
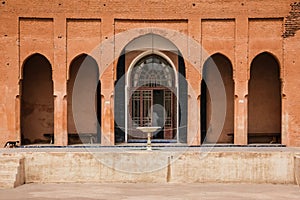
(240, 30)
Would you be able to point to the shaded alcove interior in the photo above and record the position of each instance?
(264, 99)
(224, 67)
(89, 70)
(37, 101)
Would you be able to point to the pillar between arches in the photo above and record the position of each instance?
(60, 121)
(107, 124)
(241, 114)
(240, 72)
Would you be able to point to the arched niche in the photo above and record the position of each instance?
(37, 101)
(88, 67)
(224, 68)
(264, 100)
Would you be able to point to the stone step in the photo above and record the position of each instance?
(297, 169)
(11, 171)
(9, 167)
(7, 184)
(8, 176)
(9, 159)
(4, 161)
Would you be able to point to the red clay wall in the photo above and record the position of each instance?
(61, 30)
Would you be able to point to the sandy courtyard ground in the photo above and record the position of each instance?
(138, 191)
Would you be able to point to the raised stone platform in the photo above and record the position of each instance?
(277, 165)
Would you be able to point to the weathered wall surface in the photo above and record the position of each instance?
(160, 166)
(62, 30)
(291, 99)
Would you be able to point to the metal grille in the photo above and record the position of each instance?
(147, 98)
(168, 106)
(152, 71)
(135, 109)
(140, 108)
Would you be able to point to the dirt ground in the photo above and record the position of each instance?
(137, 191)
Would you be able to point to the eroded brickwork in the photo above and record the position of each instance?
(292, 21)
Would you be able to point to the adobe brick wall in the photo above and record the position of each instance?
(292, 23)
(61, 30)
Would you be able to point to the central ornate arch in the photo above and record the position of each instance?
(151, 91)
(165, 53)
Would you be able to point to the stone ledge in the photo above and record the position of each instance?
(160, 166)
